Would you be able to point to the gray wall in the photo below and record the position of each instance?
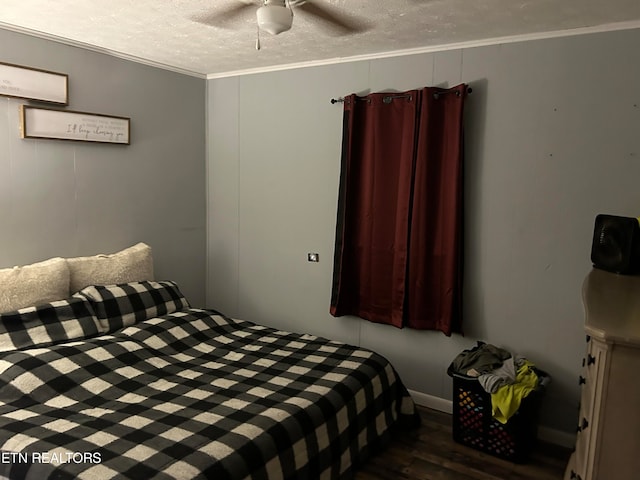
(551, 140)
(62, 198)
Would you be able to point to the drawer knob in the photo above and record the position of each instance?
(583, 426)
(591, 359)
(582, 380)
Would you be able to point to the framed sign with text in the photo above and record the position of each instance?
(33, 84)
(39, 122)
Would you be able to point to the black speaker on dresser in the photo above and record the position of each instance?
(616, 244)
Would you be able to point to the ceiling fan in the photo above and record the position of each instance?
(276, 16)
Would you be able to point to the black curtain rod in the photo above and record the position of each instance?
(390, 97)
(436, 95)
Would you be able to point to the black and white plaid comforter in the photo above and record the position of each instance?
(193, 394)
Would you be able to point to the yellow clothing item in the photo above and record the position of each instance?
(506, 401)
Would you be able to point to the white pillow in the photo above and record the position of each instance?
(133, 264)
(33, 284)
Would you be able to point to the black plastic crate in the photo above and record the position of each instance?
(474, 425)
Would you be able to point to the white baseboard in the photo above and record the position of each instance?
(546, 434)
(429, 401)
(557, 437)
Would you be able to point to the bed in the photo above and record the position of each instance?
(129, 381)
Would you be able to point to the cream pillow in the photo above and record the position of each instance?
(133, 264)
(33, 284)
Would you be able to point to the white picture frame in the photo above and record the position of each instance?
(33, 84)
(38, 122)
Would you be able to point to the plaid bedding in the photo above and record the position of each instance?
(47, 324)
(118, 306)
(194, 394)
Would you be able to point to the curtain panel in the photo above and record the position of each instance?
(398, 252)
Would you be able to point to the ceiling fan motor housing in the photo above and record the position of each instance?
(274, 17)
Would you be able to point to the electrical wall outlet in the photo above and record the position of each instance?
(313, 257)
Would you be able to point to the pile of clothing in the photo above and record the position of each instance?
(507, 378)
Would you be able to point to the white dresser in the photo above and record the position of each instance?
(608, 439)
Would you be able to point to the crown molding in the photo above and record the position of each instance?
(337, 60)
(94, 48)
(437, 48)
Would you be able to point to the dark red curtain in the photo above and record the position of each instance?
(398, 255)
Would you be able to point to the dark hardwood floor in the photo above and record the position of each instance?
(429, 453)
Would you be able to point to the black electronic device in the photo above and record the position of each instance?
(616, 244)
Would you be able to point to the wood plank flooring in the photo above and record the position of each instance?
(429, 453)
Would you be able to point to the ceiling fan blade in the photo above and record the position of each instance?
(224, 17)
(338, 20)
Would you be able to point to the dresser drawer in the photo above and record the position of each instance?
(590, 403)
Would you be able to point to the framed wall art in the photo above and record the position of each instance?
(39, 122)
(33, 84)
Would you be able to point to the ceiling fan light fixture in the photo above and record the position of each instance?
(274, 19)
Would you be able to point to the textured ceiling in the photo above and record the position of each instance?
(171, 33)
